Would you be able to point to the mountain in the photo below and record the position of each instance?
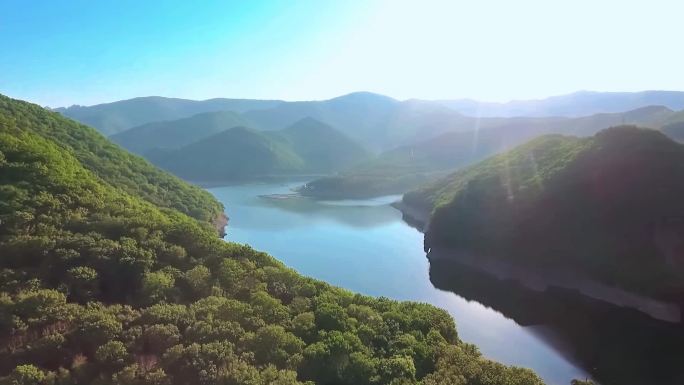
(240, 153)
(410, 166)
(572, 105)
(178, 133)
(607, 207)
(112, 118)
(108, 161)
(403, 168)
(674, 127)
(358, 115)
(235, 154)
(322, 147)
(102, 285)
(378, 122)
(675, 131)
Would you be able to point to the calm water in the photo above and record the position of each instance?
(364, 246)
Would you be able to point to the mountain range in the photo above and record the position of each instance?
(112, 118)
(170, 134)
(378, 121)
(571, 105)
(240, 153)
(409, 166)
(413, 141)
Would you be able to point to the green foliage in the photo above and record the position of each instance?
(406, 167)
(100, 285)
(445, 143)
(105, 160)
(156, 285)
(237, 153)
(178, 133)
(598, 206)
(112, 355)
(234, 154)
(322, 147)
(25, 375)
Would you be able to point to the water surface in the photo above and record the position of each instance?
(365, 246)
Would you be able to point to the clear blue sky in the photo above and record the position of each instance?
(84, 52)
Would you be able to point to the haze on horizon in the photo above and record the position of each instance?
(81, 52)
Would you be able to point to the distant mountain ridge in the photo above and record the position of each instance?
(378, 121)
(112, 118)
(242, 153)
(580, 103)
(411, 165)
(178, 133)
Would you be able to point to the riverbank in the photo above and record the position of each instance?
(269, 179)
(414, 216)
(541, 280)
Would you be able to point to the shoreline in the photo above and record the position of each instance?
(542, 280)
(414, 216)
(261, 179)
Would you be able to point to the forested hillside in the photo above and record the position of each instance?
(382, 123)
(406, 167)
(423, 161)
(608, 207)
(109, 162)
(321, 147)
(675, 131)
(178, 133)
(239, 153)
(105, 284)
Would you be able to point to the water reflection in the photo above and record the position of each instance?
(365, 246)
(370, 213)
(616, 345)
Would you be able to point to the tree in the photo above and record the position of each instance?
(25, 375)
(42, 307)
(157, 338)
(199, 280)
(94, 326)
(156, 286)
(112, 355)
(330, 316)
(396, 367)
(82, 282)
(231, 274)
(268, 308)
(273, 344)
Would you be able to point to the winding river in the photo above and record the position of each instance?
(366, 247)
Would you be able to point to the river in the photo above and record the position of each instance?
(366, 247)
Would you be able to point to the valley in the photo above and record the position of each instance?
(365, 192)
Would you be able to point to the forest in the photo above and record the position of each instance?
(112, 273)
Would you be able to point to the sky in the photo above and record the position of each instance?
(59, 53)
